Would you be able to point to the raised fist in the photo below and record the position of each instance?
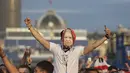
(108, 32)
(27, 21)
(27, 52)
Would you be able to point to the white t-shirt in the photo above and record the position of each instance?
(61, 58)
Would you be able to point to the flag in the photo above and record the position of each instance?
(50, 2)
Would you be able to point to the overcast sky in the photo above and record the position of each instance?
(82, 14)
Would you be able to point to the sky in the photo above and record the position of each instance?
(91, 15)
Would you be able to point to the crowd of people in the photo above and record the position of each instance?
(65, 56)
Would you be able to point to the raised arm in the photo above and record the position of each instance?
(26, 60)
(127, 65)
(36, 34)
(91, 47)
(11, 68)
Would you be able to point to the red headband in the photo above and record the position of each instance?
(72, 32)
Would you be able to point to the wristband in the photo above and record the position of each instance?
(107, 36)
(3, 55)
(29, 26)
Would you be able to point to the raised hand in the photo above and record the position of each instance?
(108, 32)
(2, 54)
(27, 54)
(27, 21)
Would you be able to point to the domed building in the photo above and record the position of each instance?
(50, 20)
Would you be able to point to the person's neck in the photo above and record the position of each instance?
(66, 48)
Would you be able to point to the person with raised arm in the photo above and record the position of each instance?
(10, 67)
(66, 55)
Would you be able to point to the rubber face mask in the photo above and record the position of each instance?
(68, 38)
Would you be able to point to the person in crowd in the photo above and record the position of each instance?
(3, 69)
(89, 70)
(44, 67)
(112, 69)
(101, 64)
(10, 67)
(81, 63)
(50, 59)
(90, 62)
(66, 55)
(24, 69)
(26, 60)
(127, 66)
(41, 67)
(82, 70)
(92, 70)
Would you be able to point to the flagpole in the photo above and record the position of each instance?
(50, 2)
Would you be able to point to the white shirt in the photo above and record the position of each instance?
(70, 57)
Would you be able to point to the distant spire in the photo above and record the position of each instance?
(50, 2)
